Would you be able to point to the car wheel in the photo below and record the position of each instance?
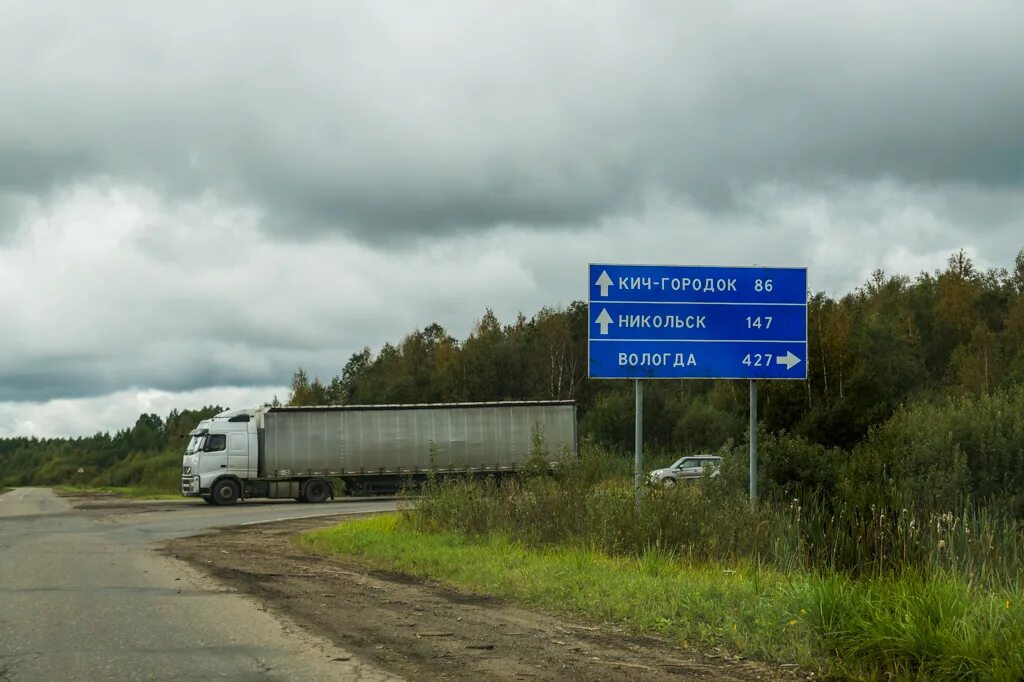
(225, 492)
(668, 482)
(317, 491)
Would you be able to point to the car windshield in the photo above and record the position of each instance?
(195, 445)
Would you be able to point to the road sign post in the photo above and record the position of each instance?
(753, 443)
(638, 443)
(697, 322)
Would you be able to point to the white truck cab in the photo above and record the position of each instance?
(224, 447)
(221, 463)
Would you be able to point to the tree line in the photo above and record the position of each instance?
(146, 454)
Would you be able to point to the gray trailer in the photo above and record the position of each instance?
(295, 452)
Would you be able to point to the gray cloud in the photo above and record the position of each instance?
(383, 121)
(197, 196)
(110, 286)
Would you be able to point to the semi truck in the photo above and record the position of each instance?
(300, 452)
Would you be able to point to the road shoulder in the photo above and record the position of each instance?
(423, 630)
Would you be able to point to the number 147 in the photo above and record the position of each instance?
(760, 322)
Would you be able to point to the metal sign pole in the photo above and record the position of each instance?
(753, 443)
(638, 455)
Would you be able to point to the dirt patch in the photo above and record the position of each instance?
(423, 630)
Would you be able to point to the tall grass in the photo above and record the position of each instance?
(589, 503)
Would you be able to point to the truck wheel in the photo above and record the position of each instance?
(208, 500)
(317, 491)
(225, 492)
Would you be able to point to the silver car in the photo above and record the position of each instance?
(686, 468)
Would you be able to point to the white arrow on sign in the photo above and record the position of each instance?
(603, 320)
(603, 282)
(789, 360)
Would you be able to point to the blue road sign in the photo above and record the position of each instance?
(698, 322)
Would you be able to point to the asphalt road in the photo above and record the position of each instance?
(83, 597)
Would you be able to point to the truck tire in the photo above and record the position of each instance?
(208, 500)
(316, 491)
(225, 492)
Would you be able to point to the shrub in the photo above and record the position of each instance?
(941, 456)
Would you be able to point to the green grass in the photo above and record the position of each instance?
(901, 627)
(135, 493)
(5, 490)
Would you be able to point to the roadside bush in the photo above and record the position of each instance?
(595, 463)
(601, 515)
(944, 456)
(159, 471)
(709, 522)
(788, 466)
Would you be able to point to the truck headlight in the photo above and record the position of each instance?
(186, 470)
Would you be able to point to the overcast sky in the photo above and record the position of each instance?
(197, 198)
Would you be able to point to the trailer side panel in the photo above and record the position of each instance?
(390, 440)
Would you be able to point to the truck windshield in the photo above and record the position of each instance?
(195, 445)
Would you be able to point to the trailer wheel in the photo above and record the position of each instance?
(225, 492)
(317, 491)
